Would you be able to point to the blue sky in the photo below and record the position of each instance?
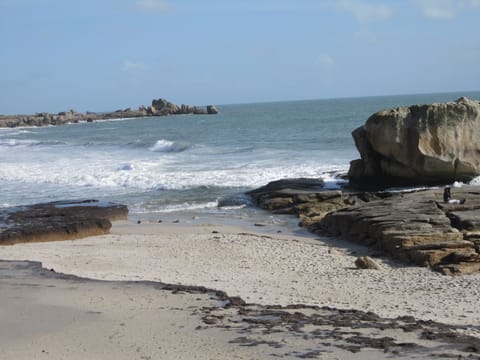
(108, 54)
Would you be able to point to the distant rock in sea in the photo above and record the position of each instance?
(159, 107)
(418, 145)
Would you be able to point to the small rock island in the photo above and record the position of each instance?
(159, 107)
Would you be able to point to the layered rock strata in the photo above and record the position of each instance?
(414, 227)
(159, 107)
(61, 220)
(420, 144)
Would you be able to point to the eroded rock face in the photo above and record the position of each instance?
(61, 220)
(421, 144)
(413, 227)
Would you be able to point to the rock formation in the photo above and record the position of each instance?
(61, 220)
(212, 109)
(159, 107)
(420, 144)
(414, 227)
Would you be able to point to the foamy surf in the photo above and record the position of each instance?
(167, 146)
(159, 164)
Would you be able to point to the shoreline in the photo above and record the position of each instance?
(170, 290)
(267, 269)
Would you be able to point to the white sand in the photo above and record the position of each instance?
(264, 269)
(57, 319)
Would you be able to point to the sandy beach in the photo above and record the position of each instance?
(260, 267)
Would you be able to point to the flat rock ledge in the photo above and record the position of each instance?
(415, 227)
(60, 220)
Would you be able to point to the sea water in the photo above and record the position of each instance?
(202, 164)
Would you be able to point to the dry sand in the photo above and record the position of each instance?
(261, 268)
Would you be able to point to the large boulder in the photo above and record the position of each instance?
(420, 144)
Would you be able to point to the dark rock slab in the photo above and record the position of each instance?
(466, 220)
(61, 220)
(414, 227)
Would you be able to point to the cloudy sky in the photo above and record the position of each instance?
(106, 54)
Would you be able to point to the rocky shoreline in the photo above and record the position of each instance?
(159, 107)
(414, 226)
(420, 145)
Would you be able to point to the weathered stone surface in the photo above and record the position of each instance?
(159, 107)
(421, 144)
(415, 227)
(366, 262)
(465, 220)
(62, 220)
(306, 198)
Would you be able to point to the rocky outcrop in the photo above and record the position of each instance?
(421, 144)
(212, 109)
(414, 227)
(159, 107)
(306, 198)
(61, 220)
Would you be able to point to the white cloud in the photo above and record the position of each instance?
(364, 11)
(128, 66)
(325, 61)
(439, 9)
(475, 3)
(365, 37)
(445, 9)
(159, 6)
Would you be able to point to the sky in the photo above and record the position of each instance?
(102, 55)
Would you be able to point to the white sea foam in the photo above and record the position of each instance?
(88, 171)
(186, 163)
(186, 206)
(474, 181)
(168, 146)
(17, 142)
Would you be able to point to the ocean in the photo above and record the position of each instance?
(192, 163)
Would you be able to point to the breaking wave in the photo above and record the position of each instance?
(166, 146)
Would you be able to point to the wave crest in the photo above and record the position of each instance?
(26, 143)
(166, 146)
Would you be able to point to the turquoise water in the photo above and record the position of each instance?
(196, 163)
